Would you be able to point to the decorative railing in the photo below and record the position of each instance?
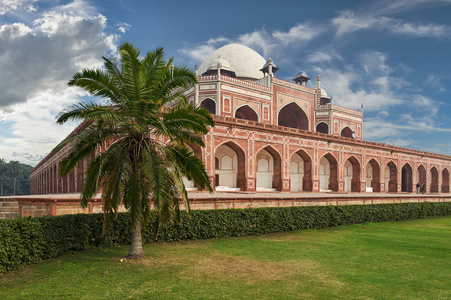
(245, 83)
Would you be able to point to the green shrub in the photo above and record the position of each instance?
(29, 240)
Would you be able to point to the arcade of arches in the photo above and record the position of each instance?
(240, 160)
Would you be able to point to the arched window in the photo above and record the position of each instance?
(346, 132)
(210, 105)
(293, 116)
(247, 113)
(322, 128)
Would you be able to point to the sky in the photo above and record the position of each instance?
(393, 57)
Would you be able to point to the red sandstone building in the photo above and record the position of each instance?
(275, 135)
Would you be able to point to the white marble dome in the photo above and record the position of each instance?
(244, 61)
(323, 94)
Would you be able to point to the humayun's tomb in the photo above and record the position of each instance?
(279, 136)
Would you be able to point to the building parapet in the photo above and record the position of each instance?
(346, 110)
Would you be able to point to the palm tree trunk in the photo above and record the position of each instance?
(136, 246)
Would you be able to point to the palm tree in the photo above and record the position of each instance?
(16, 170)
(2, 170)
(150, 120)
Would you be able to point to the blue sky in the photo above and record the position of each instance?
(391, 56)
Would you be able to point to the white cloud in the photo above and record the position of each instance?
(37, 61)
(7, 6)
(123, 27)
(368, 82)
(199, 53)
(320, 57)
(398, 6)
(259, 40)
(348, 22)
(299, 33)
(267, 43)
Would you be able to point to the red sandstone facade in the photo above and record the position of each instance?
(272, 134)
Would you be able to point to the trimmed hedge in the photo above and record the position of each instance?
(29, 240)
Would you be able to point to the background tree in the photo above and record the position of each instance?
(150, 120)
(2, 170)
(16, 170)
(22, 184)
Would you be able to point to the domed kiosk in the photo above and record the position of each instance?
(245, 62)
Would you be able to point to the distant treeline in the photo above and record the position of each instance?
(22, 181)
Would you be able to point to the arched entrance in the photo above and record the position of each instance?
(210, 105)
(229, 168)
(247, 113)
(269, 170)
(190, 185)
(373, 177)
(434, 180)
(406, 178)
(421, 178)
(328, 173)
(391, 178)
(322, 128)
(293, 116)
(346, 132)
(352, 175)
(445, 181)
(300, 172)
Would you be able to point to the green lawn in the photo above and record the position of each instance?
(403, 260)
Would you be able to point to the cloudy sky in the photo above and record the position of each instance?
(393, 57)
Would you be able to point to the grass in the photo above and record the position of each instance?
(402, 260)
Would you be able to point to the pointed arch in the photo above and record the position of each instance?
(322, 127)
(189, 184)
(421, 175)
(372, 176)
(301, 172)
(406, 178)
(352, 175)
(445, 181)
(209, 104)
(328, 173)
(246, 112)
(434, 180)
(268, 169)
(230, 173)
(391, 177)
(292, 115)
(346, 132)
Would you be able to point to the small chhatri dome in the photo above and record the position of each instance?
(270, 67)
(220, 63)
(301, 78)
(323, 94)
